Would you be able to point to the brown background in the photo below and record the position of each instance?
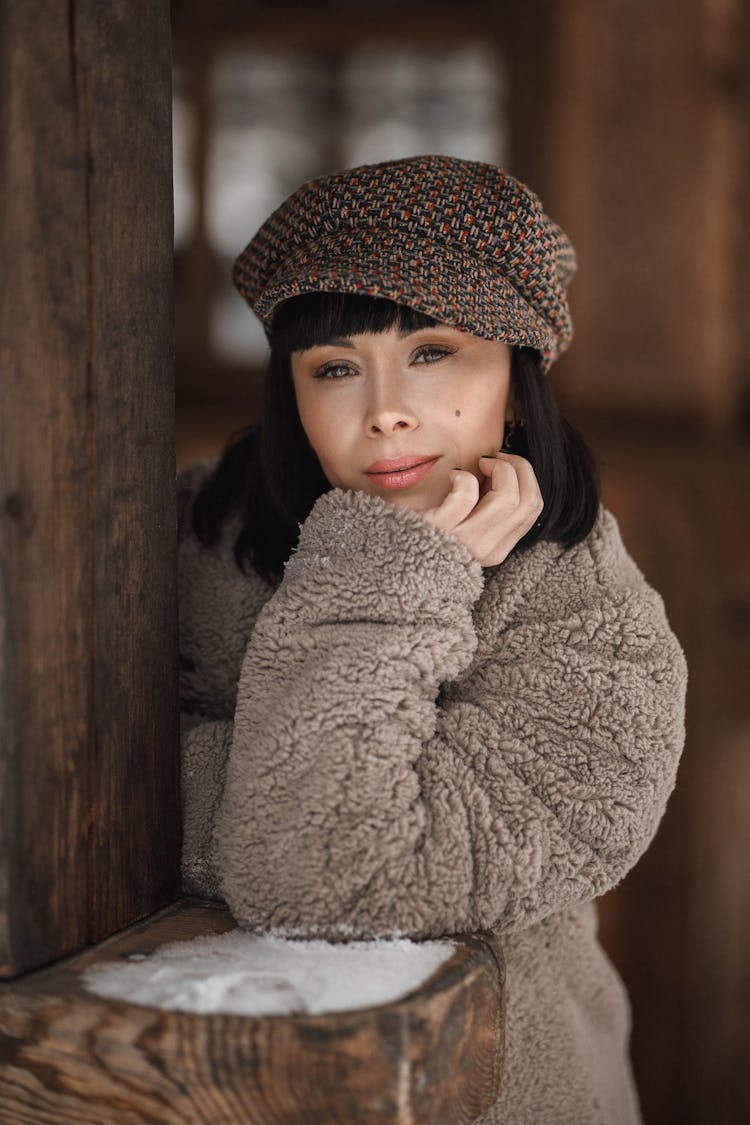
(630, 120)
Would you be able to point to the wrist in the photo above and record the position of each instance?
(369, 537)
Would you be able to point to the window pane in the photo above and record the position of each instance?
(402, 102)
(183, 133)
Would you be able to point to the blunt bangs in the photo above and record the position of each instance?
(312, 319)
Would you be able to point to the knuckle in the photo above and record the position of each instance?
(503, 476)
(504, 467)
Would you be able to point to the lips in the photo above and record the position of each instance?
(402, 472)
(398, 464)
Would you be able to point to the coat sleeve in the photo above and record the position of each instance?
(218, 606)
(362, 799)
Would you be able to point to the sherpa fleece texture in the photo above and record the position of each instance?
(396, 741)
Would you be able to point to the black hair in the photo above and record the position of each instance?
(269, 473)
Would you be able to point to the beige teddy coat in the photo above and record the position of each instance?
(396, 741)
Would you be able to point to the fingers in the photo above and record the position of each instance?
(458, 504)
(502, 478)
(492, 517)
(508, 509)
(516, 474)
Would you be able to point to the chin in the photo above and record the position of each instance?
(416, 501)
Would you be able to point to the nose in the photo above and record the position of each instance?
(386, 414)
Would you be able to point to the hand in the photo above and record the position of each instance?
(490, 519)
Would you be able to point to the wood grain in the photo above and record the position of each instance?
(89, 802)
(434, 1055)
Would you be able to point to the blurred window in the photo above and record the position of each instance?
(277, 118)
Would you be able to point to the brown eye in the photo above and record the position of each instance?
(333, 371)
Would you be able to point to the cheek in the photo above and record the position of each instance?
(325, 432)
(478, 415)
(478, 421)
(488, 404)
(312, 419)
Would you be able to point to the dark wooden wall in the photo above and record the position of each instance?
(89, 799)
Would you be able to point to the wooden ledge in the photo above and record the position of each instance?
(67, 1055)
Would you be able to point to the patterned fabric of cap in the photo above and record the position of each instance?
(460, 240)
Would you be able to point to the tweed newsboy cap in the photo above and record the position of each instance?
(460, 240)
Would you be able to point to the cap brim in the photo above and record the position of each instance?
(456, 289)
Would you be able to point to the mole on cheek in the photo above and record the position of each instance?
(458, 413)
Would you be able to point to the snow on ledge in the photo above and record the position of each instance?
(259, 975)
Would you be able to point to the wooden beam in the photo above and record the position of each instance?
(328, 27)
(433, 1055)
(89, 798)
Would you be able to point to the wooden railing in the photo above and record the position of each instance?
(68, 1055)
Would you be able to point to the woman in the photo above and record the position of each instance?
(432, 699)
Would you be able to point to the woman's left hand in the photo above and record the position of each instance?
(489, 519)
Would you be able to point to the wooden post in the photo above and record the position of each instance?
(89, 798)
(432, 1055)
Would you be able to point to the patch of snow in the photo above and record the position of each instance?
(260, 974)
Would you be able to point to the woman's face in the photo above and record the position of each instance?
(434, 393)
